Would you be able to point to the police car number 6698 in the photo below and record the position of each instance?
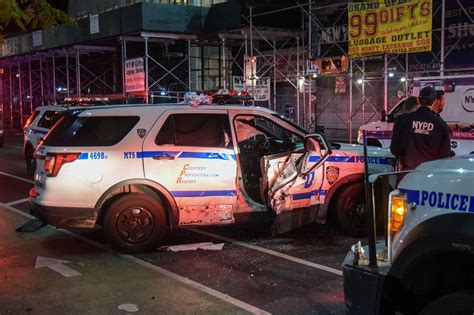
(140, 170)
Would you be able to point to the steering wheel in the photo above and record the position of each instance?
(261, 142)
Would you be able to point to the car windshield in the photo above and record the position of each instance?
(290, 122)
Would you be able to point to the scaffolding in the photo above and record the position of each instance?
(175, 63)
(45, 78)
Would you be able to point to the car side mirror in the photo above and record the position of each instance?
(316, 142)
(383, 116)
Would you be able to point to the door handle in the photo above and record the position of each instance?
(163, 157)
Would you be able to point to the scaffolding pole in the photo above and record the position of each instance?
(30, 84)
(78, 73)
(189, 66)
(363, 92)
(20, 94)
(299, 82)
(124, 58)
(385, 83)
(67, 74)
(251, 53)
(274, 78)
(147, 98)
(224, 65)
(41, 80)
(54, 79)
(310, 81)
(11, 97)
(350, 100)
(441, 60)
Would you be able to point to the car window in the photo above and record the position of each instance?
(249, 128)
(49, 118)
(32, 117)
(75, 131)
(195, 130)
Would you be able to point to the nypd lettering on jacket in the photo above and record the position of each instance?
(422, 127)
(440, 200)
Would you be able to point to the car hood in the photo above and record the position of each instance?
(357, 148)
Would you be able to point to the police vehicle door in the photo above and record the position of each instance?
(297, 191)
(272, 159)
(192, 156)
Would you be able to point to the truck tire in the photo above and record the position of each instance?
(461, 302)
(30, 161)
(135, 223)
(349, 209)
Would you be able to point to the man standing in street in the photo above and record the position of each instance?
(422, 135)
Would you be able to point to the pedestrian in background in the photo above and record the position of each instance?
(420, 136)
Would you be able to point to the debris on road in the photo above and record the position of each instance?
(193, 246)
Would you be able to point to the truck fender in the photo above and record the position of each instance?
(173, 212)
(451, 232)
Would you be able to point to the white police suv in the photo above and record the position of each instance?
(427, 264)
(44, 118)
(37, 126)
(140, 170)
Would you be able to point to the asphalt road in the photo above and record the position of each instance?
(296, 273)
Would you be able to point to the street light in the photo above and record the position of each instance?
(391, 74)
(359, 81)
(403, 79)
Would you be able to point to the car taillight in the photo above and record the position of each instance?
(54, 161)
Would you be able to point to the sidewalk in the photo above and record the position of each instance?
(94, 282)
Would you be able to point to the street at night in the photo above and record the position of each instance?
(298, 272)
(237, 157)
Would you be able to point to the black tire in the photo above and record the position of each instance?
(457, 303)
(349, 209)
(30, 161)
(135, 223)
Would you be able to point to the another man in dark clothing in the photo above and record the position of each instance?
(420, 136)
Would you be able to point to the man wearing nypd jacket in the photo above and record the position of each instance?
(420, 136)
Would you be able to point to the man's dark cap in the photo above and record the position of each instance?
(429, 94)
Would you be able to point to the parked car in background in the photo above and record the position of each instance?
(458, 113)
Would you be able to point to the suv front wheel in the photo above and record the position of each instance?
(135, 223)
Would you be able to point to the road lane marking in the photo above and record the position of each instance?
(12, 203)
(57, 265)
(269, 251)
(17, 177)
(193, 284)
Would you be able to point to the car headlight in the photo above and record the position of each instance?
(397, 209)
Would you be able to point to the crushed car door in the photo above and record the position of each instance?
(296, 188)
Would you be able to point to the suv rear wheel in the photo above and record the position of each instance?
(135, 223)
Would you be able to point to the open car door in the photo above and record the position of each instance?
(294, 182)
